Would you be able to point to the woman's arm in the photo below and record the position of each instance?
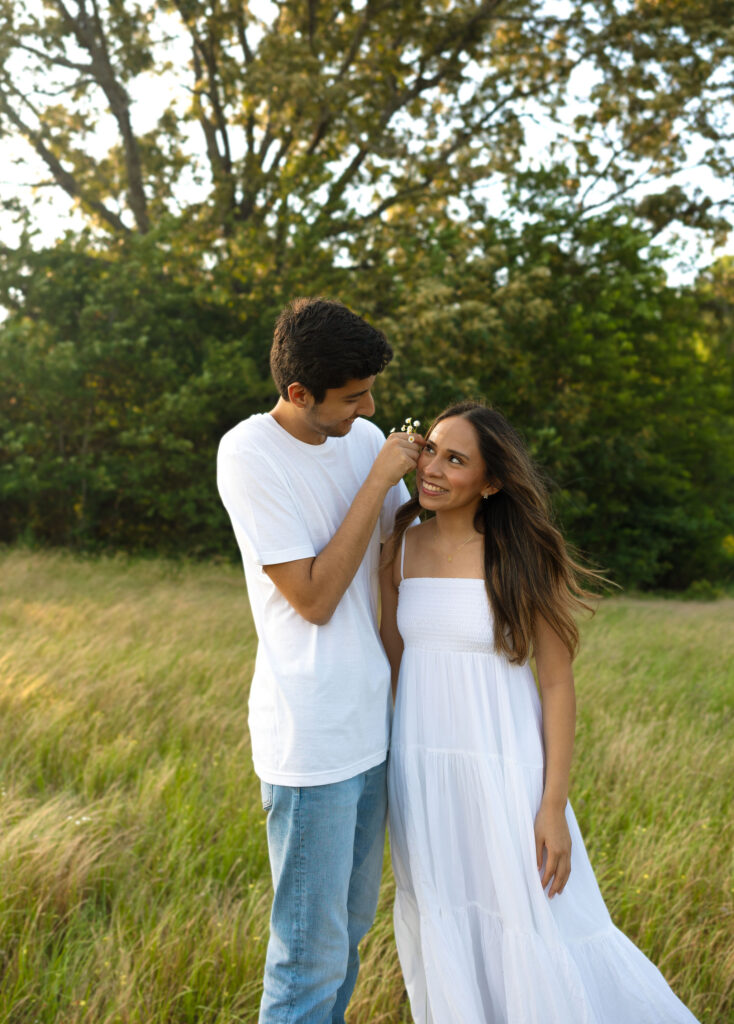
(555, 678)
(391, 639)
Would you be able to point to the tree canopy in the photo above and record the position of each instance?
(320, 117)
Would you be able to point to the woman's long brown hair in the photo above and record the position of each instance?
(529, 570)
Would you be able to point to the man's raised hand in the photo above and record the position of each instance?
(398, 456)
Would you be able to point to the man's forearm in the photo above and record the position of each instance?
(334, 568)
(315, 586)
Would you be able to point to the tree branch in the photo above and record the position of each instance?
(361, 31)
(249, 58)
(313, 6)
(63, 178)
(210, 134)
(207, 52)
(104, 74)
(242, 35)
(60, 61)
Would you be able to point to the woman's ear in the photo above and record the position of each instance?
(491, 489)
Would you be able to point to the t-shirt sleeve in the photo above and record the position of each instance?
(265, 515)
(395, 497)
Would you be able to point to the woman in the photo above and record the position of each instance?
(498, 917)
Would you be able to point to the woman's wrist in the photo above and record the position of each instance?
(554, 800)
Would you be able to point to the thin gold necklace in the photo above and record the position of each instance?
(450, 557)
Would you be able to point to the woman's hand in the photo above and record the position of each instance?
(551, 834)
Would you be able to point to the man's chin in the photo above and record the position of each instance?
(341, 429)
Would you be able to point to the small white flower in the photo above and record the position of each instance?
(409, 426)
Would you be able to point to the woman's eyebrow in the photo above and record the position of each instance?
(451, 451)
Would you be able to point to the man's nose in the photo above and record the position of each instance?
(367, 405)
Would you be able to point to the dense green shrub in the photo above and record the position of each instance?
(122, 367)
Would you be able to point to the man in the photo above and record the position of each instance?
(311, 489)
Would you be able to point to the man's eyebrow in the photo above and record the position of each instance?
(357, 394)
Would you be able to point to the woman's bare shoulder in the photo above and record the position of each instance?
(421, 531)
(418, 541)
(391, 550)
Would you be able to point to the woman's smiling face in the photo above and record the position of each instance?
(451, 471)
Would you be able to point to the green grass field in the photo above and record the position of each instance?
(134, 882)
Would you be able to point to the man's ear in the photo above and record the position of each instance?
(299, 396)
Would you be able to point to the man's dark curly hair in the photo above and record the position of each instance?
(321, 344)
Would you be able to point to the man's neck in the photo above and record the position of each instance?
(289, 418)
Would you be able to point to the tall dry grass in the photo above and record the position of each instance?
(134, 884)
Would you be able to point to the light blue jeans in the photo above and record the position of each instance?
(326, 845)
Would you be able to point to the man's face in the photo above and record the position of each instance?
(340, 408)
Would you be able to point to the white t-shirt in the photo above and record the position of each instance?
(319, 707)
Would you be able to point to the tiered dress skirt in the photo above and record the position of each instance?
(479, 940)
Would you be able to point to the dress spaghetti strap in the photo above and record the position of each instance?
(402, 557)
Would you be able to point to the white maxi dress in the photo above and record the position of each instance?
(479, 941)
